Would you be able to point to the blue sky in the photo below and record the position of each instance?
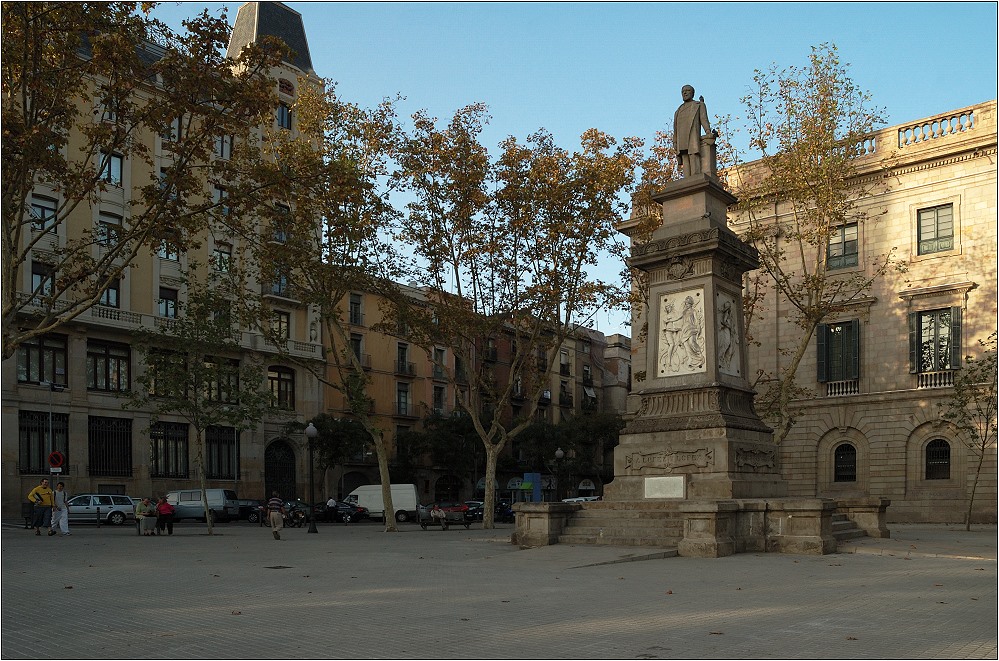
(619, 66)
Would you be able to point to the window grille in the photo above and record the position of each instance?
(938, 460)
(39, 434)
(109, 446)
(168, 449)
(222, 453)
(845, 463)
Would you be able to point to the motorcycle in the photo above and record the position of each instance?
(503, 512)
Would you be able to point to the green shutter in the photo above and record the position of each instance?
(820, 354)
(854, 358)
(955, 338)
(913, 343)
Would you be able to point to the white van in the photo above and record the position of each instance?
(404, 500)
(187, 504)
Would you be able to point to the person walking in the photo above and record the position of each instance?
(41, 498)
(145, 512)
(330, 509)
(275, 514)
(60, 510)
(164, 516)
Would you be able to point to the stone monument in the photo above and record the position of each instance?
(693, 432)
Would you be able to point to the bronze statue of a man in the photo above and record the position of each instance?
(688, 121)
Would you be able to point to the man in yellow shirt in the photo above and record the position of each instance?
(42, 498)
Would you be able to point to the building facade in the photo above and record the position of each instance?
(65, 391)
(879, 370)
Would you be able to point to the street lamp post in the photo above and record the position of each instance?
(311, 432)
(559, 456)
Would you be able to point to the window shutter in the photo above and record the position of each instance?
(854, 362)
(955, 338)
(820, 353)
(913, 344)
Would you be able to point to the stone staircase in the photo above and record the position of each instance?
(844, 529)
(637, 523)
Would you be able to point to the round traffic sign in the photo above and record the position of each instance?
(56, 459)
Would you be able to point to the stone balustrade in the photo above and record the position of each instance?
(958, 121)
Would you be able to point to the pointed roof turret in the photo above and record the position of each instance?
(257, 19)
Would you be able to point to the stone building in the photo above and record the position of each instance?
(63, 391)
(879, 370)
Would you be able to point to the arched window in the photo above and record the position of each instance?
(845, 463)
(938, 460)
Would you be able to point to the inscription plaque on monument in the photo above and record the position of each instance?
(670, 486)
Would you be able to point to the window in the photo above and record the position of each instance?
(222, 453)
(587, 374)
(109, 231)
(108, 366)
(845, 463)
(282, 384)
(111, 168)
(167, 363)
(440, 362)
(842, 249)
(42, 278)
(938, 460)
(223, 383)
(563, 362)
(168, 449)
(440, 396)
(42, 360)
(402, 365)
(43, 213)
(223, 146)
(356, 315)
(356, 340)
(174, 132)
(222, 257)
(279, 285)
(936, 229)
(112, 294)
(935, 340)
(109, 446)
(402, 398)
(168, 251)
(838, 351)
(281, 324)
(284, 116)
(40, 433)
(281, 223)
(168, 303)
(219, 196)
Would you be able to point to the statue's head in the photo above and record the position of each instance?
(687, 92)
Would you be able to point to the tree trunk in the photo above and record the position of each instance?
(974, 488)
(204, 481)
(383, 472)
(489, 502)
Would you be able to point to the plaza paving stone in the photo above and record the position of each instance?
(356, 592)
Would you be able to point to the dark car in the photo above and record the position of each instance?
(345, 513)
(251, 510)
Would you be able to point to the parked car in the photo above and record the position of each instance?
(475, 511)
(250, 510)
(187, 504)
(503, 512)
(113, 509)
(581, 499)
(346, 513)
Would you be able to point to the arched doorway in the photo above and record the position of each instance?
(447, 488)
(279, 470)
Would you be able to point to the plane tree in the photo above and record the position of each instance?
(508, 250)
(801, 204)
(86, 88)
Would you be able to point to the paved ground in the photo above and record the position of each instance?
(357, 592)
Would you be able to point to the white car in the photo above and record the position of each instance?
(581, 499)
(109, 508)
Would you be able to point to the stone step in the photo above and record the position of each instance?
(625, 514)
(625, 530)
(620, 540)
(843, 535)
